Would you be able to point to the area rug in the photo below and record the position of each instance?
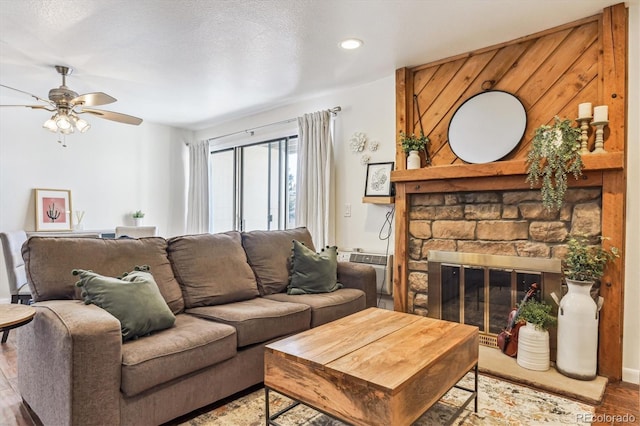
(499, 403)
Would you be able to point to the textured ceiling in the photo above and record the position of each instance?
(196, 63)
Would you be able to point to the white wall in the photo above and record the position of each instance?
(112, 170)
(370, 109)
(631, 342)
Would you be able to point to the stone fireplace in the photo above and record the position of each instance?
(506, 239)
(456, 206)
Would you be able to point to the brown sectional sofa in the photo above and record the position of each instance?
(228, 293)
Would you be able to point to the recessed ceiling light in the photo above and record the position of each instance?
(351, 43)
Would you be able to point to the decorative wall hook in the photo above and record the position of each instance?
(487, 84)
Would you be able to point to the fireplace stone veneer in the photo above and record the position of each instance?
(507, 223)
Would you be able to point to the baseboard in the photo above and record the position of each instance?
(631, 376)
(5, 301)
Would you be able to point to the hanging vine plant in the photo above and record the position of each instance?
(554, 154)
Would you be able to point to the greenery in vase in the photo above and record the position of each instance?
(138, 214)
(586, 262)
(537, 313)
(554, 153)
(414, 143)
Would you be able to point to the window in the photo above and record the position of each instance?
(253, 186)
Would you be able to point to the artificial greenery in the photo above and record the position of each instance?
(414, 143)
(537, 313)
(555, 152)
(138, 214)
(586, 262)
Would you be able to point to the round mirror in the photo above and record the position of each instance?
(487, 126)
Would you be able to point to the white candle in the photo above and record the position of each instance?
(600, 113)
(584, 110)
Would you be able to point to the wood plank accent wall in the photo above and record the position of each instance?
(551, 73)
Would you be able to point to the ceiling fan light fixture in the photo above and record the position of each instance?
(80, 124)
(63, 122)
(63, 101)
(50, 125)
(67, 131)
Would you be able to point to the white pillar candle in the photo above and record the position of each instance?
(601, 113)
(584, 110)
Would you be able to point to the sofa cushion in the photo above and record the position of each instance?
(212, 269)
(190, 345)
(134, 300)
(327, 307)
(269, 254)
(258, 320)
(313, 272)
(49, 261)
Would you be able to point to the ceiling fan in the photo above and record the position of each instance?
(67, 105)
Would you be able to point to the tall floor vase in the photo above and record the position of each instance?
(578, 317)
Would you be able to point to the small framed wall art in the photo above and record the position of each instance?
(378, 180)
(53, 209)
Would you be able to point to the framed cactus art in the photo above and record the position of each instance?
(53, 209)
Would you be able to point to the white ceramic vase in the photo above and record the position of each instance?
(413, 160)
(533, 348)
(578, 317)
(138, 221)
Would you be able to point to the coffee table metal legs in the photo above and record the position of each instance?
(473, 396)
(271, 418)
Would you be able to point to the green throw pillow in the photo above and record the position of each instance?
(134, 300)
(313, 272)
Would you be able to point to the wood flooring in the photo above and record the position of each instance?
(621, 399)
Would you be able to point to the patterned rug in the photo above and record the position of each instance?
(499, 403)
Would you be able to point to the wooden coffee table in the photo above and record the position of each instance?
(375, 367)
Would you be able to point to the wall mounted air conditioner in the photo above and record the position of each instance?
(383, 265)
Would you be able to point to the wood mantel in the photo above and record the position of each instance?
(608, 161)
(551, 72)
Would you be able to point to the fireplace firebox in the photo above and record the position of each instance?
(481, 289)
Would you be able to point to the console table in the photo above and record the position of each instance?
(98, 233)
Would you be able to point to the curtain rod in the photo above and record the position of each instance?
(250, 130)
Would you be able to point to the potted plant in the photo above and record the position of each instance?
(533, 339)
(578, 313)
(537, 314)
(585, 262)
(412, 145)
(554, 153)
(137, 217)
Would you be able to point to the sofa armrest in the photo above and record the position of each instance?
(69, 363)
(362, 277)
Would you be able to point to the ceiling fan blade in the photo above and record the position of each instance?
(47, 101)
(32, 106)
(93, 99)
(113, 116)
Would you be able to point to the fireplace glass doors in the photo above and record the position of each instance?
(481, 290)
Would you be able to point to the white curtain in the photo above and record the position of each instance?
(199, 182)
(314, 178)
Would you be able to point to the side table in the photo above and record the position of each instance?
(13, 315)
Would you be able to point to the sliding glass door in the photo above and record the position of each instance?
(258, 186)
